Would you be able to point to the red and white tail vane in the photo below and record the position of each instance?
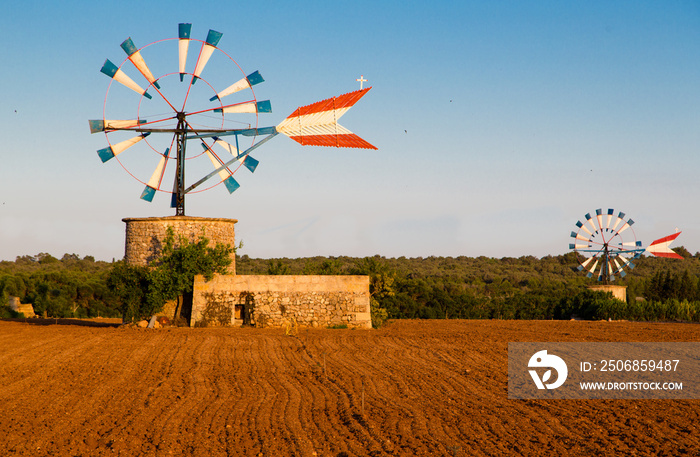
(317, 124)
(661, 247)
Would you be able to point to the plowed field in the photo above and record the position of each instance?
(411, 388)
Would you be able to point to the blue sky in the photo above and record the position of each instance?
(499, 124)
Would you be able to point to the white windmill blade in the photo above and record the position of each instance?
(121, 124)
(583, 227)
(627, 225)
(118, 75)
(609, 219)
(661, 247)
(231, 149)
(589, 220)
(618, 267)
(609, 270)
(205, 53)
(592, 269)
(183, 45)
(116, 149)
(156, 178)
(245, 83)
(263, 106)
(621, 268)
(244, 159)
(619, 218)
(225, 174)
(599, 218)
(626, 262)
(585, 263)
(578, 236)
(137, 59)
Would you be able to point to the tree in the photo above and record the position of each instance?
(381, 287)
(130, 286)
(174, 272)
(277, 268)
(144, 291)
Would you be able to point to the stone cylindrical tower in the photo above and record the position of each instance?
(145, 236)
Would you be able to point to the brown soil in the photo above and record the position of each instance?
(411, 388)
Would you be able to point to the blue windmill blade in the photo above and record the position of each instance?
(156, 178)
(245, 83)
(183, 44)
(116, 149)
(246, 160)
(108, 125)
(205, 53)
(263, 106)
(118, 75)
(137, 59)
(225, 174)
(250, 163)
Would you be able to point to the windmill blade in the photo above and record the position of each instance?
(317, 124)
(593, 268)
(661, 247)
(263, 106)
(627, 225)
(205, 53)
(140, 64)
(618, 267)
(609, 219)
(578, 236)
(183, 44)
(116, 149)
(585, 263)
(173, 197)
(156, 178)
(244, 159)
(599, 217)
(225, 174)
(583, 227)
(245, 83)
(102, 125)
(626, 262)
(115, 73)
(619, 219)
(589, 220)
(603, 268)
(610, 270)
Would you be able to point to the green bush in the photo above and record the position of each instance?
(8, 313)
(143, 292)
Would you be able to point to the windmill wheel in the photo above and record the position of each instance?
(149, 120)
(606, 245)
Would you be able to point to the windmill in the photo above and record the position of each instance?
(162, 115)
(608, 245)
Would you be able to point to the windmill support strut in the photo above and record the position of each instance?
(231, 162)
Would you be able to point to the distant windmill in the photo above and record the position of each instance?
(174, 113)
(608, 245)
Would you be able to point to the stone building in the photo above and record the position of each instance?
(263, 301)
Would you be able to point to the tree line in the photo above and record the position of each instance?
(425, 288)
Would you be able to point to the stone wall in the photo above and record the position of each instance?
(277, 301)
(145, 236)
(25, 308)
(619, 292)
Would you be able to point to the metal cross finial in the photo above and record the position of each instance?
(361, 80)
